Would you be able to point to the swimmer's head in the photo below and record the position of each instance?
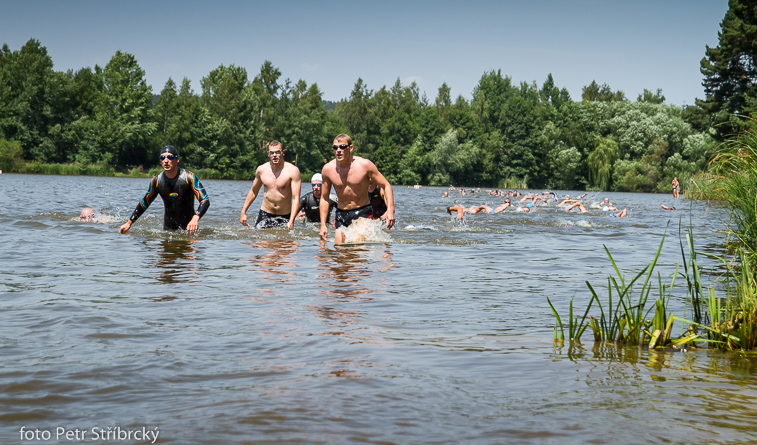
(449, 210)
(526, 209)
(316, 177)
(606, 200)
(87, 214)
(169, 149)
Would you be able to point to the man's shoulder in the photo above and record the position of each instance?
(291, 168)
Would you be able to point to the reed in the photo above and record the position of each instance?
(737, 166)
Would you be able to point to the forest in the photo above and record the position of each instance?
(506, 135)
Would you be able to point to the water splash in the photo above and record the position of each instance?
(366, 231)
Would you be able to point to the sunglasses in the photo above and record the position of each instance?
(170, 157)
(274, 153)
(342, 146)
(316, 185)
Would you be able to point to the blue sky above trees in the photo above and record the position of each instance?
(628, 45)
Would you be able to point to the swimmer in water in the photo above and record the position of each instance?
(578, 204)
(87, 215)
(664, 207)
(503, 206)
(310, 203)
(178, 188)
(481, 208)
(460, 212)
(622, 214)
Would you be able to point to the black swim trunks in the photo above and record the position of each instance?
(267, 220)
(345, 217)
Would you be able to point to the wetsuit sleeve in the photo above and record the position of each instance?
(201, 195)
(303, 202)
(149, 197)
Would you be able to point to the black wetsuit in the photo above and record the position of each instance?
(377, 202)
(312, 207)
(178, 196)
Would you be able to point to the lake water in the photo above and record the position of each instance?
(434, 333)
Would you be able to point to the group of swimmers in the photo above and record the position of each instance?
(362, 192)
(529, 201)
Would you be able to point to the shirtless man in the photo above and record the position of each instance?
(351, 177)
(459, 211)
(281, 185)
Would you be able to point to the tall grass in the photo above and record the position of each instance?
(66, 169)
(737, 165)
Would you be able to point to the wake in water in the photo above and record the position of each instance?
(366, 231)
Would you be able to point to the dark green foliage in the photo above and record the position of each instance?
(508, 133)
(730, 70)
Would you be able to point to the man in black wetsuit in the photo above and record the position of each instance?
(178, 188)
(309, 203)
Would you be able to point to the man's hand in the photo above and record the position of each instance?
(324, 232)
(243, 219)
(192, 226)
(125, 228)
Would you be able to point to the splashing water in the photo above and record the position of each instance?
(365, 231)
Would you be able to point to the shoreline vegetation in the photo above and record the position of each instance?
(504, 134)
(727, 321)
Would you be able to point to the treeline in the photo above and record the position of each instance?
(507, 134)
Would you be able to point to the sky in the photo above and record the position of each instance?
(629, 45)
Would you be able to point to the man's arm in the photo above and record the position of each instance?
(296, 186)
(323, 206)
(251, 195)
(143, 204)
(202, 196)
(380, 180)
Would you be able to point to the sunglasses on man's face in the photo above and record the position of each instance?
(342, 146)
(316, 185)
(170, 157)
(274, 153)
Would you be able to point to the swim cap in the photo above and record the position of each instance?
(169, 149)
(529, 205)
(606, 209)
(316, 177)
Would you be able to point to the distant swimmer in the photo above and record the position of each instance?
(481, 208)
(576, 204)
(622, 214)
(502, 207)
(178, 188)
(459, 211)
(310, 203)
(445, 195)
(664, 207)
(351, 176)
(281, 191)
(87, 215)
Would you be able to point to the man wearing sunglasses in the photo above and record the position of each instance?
(310, 206)
(351, 176)
(281, 191)
(178, 188)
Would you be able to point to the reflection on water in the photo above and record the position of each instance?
(177, 261)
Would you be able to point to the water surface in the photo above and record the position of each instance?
(442, 334)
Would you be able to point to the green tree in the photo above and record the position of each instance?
(730, 70)
(596, 93)
(122, 123)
